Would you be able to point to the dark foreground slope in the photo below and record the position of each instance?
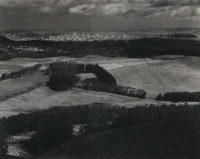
(155, 141)
(169, 132)
(144, 47)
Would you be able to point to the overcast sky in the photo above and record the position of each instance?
(98, 14)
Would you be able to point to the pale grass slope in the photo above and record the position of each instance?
(181, 74)
(156, 75)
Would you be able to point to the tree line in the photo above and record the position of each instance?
(179, 97)
(21, 73)
(95, 85)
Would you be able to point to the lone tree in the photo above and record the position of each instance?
(62, 80)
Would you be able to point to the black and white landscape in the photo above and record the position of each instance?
(99, 79)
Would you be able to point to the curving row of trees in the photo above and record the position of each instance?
(64, 75)
(76, 68)
(67, 77)
(95, 85)
(102, 75)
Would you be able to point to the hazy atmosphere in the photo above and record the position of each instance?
(98, 14)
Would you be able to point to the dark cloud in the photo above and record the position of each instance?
(164, 3)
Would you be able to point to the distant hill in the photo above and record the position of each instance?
(183, 35)
(185, 29)
(19, 35)
(17, 31)
(142, 47)
(4, 39)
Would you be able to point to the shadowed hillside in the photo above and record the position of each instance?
(170, 132)
(153, 141)
(144, 47)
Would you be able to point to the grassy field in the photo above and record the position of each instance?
(11, 89)
(179, 74)
(154, 75)
(44, 98)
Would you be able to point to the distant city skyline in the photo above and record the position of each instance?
(98, 14)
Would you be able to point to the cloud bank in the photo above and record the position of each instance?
(146, 8)
(174, 10)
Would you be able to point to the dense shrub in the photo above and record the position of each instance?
(179, 97)
(62, 80)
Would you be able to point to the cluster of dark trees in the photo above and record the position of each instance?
(105, 82)
(64, 74)
(95, 85)
(54, 126)
(179, 97)
(62, 80)
(76, 68)
(21, 73)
